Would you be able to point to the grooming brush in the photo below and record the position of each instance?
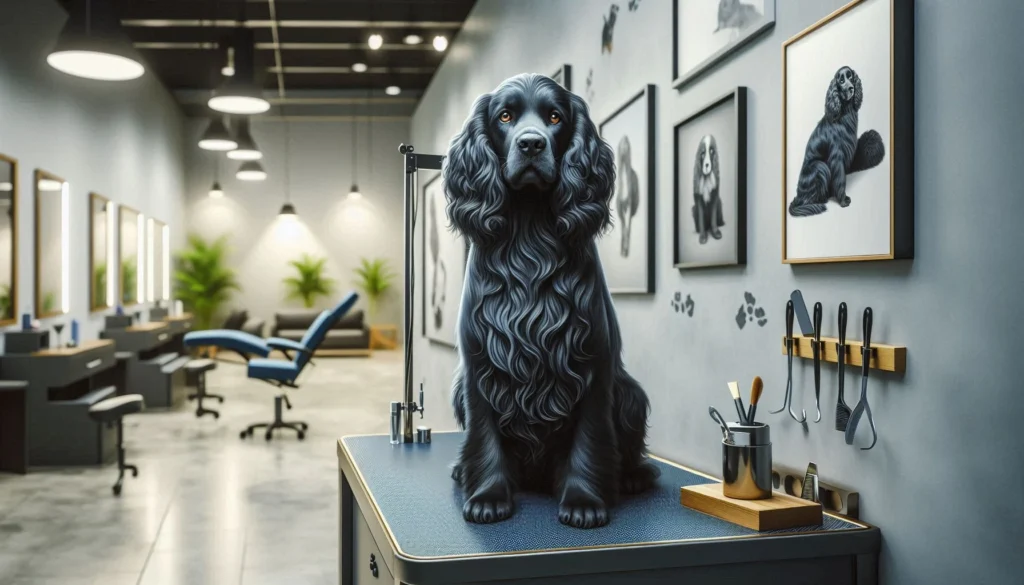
(755, 394)
(734, 389)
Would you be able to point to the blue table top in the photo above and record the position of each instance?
(421, 506)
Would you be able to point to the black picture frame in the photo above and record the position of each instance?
(422, 280)
(682, 79)
(563, 76)
(739, 96)
(649, 95)
(900, 157)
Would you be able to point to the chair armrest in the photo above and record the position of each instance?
(240, 341)
(286, 344)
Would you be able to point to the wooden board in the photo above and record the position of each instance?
(776, 513)
(151, 326)
(181, 317)
(66, 351)
(889, 358)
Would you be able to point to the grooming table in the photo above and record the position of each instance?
(401, 523)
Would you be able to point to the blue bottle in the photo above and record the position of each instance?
(26, 321)
(74, 333)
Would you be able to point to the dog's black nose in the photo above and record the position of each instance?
(532, 144)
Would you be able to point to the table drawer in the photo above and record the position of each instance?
(366, 556)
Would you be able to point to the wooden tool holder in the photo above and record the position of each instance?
(835, 499)
(888, 358)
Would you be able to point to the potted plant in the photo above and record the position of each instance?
(310, 282)
(374, 278)
(99, 283)
(202, 281)
(129, 282)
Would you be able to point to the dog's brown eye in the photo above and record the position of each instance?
(505, 116)
(555, 117)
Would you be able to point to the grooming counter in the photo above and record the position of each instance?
(401, 523)
(157, 371)
(51, 425)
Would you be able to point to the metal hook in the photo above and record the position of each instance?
(788, 400)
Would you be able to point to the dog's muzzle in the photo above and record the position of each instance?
(530, 160)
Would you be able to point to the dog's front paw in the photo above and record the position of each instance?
(703, 239)
(844, 201)
(717, 234)
(487, 506)
(639, 479)
(457, 473)
(582, 510)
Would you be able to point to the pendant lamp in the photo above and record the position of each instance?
(240, 94)
(246, 148)
(353, 193)
(92, 44)
(251, 171)
(287, 210)
(217, 137)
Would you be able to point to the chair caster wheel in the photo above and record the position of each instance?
(216, 415)
(135, 473)
(302, 435)
(220, 400)
(242, 435)
(117, 490)
(268, 435)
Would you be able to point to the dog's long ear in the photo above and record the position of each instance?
(472, 178)
(714, 158)
(698, 172)
(586, 178)
(858, 91)
(833, 103)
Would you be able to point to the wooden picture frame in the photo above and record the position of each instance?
(750, 31)
(40, 176)
(563, 76)
(733, 251)
(643, 102)
(897, 139)
(13, 213)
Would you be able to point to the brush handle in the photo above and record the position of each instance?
(789, 323)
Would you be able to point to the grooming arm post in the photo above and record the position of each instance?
(412, 163)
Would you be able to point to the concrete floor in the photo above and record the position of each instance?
(207, 507)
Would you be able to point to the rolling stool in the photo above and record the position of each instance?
(196, 370)
(111, 411)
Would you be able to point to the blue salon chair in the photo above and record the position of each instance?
(280, 373)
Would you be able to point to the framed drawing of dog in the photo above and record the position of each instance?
(848, 127)
(563, 76)
(444, 266)
(710, 211)
(627, 247)
(706, 32)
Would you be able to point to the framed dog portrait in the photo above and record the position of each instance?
(706, 32)
(710, 215)
(444, 266)
(563, 76)
(848, 128)
(627, 248)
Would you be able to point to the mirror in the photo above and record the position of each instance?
(158, 259)
(131, 277)
(101, 250)
(51, 241)
(8, 239)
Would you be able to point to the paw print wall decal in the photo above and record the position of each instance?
(590, 86)
(749, 312)
(633, 5)
(681, 306)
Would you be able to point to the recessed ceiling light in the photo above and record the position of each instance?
(440, 43)
(375, 41)
(412, 39)
(359, 67)
(393, 90)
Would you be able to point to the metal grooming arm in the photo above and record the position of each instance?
(402, 412)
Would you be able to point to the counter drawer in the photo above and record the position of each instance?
(366, 555)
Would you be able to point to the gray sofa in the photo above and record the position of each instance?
(350, 335)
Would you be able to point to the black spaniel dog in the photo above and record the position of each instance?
(707, 204)
(541, 388)
(833, 150)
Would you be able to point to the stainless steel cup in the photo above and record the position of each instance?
(755, 434)
(422, 434)
(747, 471)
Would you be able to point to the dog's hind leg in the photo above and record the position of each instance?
(637, 473)
(811, 189)
(837, 184)
(870, 152)
(715, 218)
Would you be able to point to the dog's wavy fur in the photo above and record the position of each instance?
(541, 389)
(834, 151)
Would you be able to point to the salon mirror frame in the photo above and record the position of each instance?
(14, 241)
(157, 292)
(140, 257)
(106, 301)
(38, 177)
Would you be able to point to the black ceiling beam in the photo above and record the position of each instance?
(358, 10)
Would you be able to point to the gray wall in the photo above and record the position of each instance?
(328, 225)
(941, 483)
(123, 140)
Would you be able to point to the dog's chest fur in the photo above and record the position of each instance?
(706, 185)
(523, 313)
